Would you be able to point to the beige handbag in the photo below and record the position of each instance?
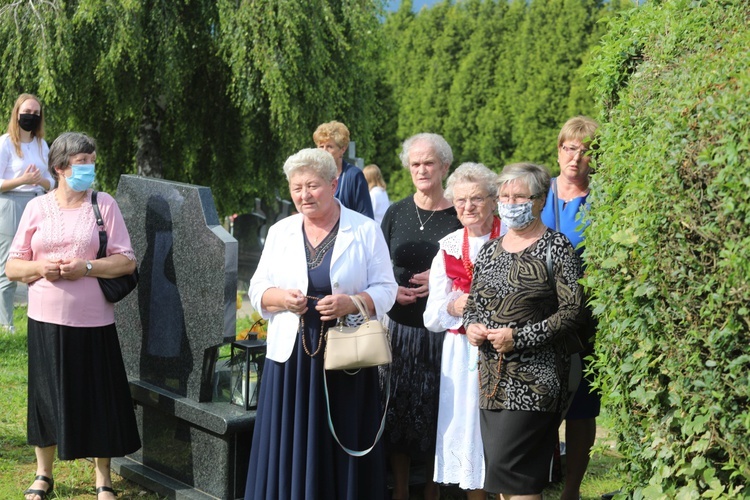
(354, 347)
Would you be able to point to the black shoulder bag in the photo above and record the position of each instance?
(114, 289)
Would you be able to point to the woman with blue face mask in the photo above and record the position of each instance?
(23, 176)
(79, 398)
(525, 301)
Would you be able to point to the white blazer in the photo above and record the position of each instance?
(360, 263)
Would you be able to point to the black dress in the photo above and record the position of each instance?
(412, 235)
(294, 455)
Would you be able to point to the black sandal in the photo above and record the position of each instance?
(41, 493)
(103, 489)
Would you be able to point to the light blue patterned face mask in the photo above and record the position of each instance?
(516, 216)
(82, 177)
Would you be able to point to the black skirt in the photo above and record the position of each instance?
(518, 447)
(79, 398)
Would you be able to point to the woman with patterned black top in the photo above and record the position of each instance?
(412, 229)
(520, 321)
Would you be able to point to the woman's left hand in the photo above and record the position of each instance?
(332, 307)
(501, 339)
(421, 282)
(72, 269)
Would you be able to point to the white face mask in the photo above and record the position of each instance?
(516, 216)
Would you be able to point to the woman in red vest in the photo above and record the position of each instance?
(459, 457)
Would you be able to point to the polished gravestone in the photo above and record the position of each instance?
(171, 329)
(250, 230)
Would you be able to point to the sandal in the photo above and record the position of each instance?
(41, 493)
(103, 489)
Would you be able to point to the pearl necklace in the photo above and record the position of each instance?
(421, 224)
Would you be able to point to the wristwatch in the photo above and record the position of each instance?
(88, 268)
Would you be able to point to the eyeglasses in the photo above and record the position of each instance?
(572, 151)
(517, 198)
(477, 201)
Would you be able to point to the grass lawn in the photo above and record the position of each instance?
(75, 479)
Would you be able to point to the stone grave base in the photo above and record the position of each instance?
(191, 450)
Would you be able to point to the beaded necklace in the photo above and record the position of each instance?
(465, 257)
(302, 332)
(491, 395)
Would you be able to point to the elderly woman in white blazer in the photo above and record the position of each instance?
(311, 264)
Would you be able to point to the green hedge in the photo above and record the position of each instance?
(668, 250)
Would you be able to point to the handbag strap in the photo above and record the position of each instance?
(99, 222)
(360, 303)
(358, 453)
(556, 204)
(550, 271)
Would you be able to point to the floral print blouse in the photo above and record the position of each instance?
(513, 290)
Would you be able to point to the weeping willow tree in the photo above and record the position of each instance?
(297, 64)
(211, 93)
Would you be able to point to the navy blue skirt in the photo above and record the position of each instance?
(294, 455)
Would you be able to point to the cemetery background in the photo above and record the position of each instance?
(667, 133)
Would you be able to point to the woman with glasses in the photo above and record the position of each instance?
(566, 202)
(459, 457)
(518, 313)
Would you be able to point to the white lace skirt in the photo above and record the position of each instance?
(459, 456)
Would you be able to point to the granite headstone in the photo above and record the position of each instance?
(250, 230)
(171, 329)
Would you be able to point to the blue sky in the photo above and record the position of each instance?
(417, 4)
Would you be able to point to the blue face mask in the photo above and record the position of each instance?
(516, 216)
(82, 177)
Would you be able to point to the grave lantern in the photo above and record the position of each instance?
(247, 361)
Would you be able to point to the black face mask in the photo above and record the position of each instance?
(29, 122)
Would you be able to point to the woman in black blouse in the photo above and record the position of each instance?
(412, 229)
(519, 317)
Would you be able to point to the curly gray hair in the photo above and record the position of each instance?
(319, 161)
(439, 145)
(473, 172)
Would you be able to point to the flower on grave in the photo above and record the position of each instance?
(258, 328)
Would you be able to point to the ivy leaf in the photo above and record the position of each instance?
(626, 237)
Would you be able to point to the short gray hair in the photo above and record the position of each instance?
(474, 173)
(439, 145)
(535, 176)
(67, 145)
(319, 161)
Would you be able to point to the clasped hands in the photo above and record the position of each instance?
(500, 338)
(330, 307)
(420, 283)
(32, 175)
(72, 269)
